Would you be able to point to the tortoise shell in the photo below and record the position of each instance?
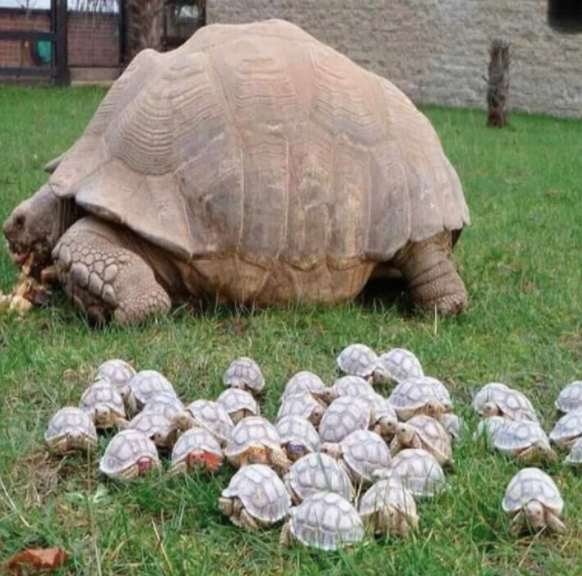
(254, 153)
(327, 521)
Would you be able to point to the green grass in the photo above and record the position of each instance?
(521, 262)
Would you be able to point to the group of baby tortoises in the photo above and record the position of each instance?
(338, 460)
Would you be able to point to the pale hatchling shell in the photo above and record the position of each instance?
(102, 393)
(344, 416)
(244, 373)
(488, 429)
(487, 393)
(433, 434)
(567, 428)
(318, 473)
(213, 417)
(575, 456)
(303, 382)
(326, 521)
(518, 406)
(381, 407)
(302, 404)
(235, 399)
(352, 386)
(364, 452)
(148, 383)
(570, 398)
(397, 365)
(357, 360)
(251, 431)
(117, 372)
(70, 420)
(124, 451)
(261, 492)
(419, 472)
(513, 403)
(532, 484)
(194, 439)
(384, 493)
(518, 435)
(150, 423)
(298, 430)
(166, 404)
(454, 425)
(413, 393)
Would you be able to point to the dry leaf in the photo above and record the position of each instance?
(27, 293)
(40, 559)
(20, 304)
(4, 302)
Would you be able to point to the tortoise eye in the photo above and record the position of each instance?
(19, 221)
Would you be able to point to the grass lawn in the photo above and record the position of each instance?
(521, 262)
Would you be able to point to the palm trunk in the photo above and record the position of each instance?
(145, 28)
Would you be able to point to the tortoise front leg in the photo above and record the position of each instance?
(286, 537)
(247, 521)
(431, 276)
(395, 446)
(104, 278)
(403, 528)
(517, 523)
(554, 523)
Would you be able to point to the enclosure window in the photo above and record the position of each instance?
(565, 15)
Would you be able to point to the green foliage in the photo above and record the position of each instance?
(521, 261)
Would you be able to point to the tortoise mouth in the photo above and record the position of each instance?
(19, 254)
(144, 465)
(19, 258)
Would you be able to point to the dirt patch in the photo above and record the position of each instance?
(46, 473)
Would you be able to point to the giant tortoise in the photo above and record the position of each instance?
(253, 165)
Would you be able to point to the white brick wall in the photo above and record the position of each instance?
(436, 51)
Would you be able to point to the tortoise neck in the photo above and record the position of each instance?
(68, 213)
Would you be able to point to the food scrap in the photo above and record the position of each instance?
(28, 292)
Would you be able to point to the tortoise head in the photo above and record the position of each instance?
(258, 454)
(535, 513)
(35, 226)
(200, 459)
(389, 519)
(386, 427)
(296, 450)
(77, 440)
(103, 416)
(145, 465)
(327, 395)
(332, 449)
(405, 434)
(317, 414)
(491, 409)
(435, 409)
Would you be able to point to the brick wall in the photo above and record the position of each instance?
(92, 39)
(16, 53)
(436, 51)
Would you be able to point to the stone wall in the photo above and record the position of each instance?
(436, 51)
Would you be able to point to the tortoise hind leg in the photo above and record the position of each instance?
(104, 278)
(431, 276)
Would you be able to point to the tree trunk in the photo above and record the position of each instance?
(145, 25)
(498, 83)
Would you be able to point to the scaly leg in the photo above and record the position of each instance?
(431, 276)
(104, 278)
